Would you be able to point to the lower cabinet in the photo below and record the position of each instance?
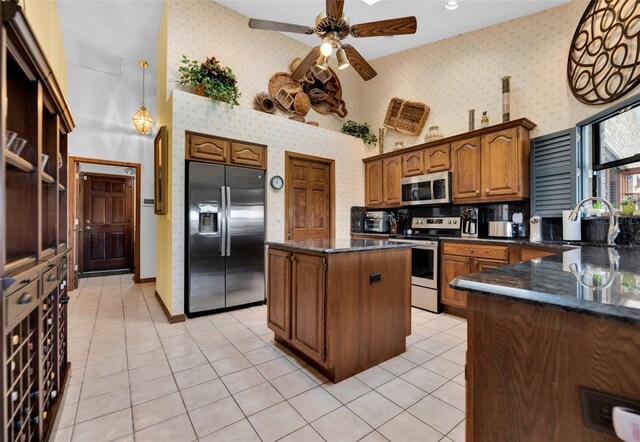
(279, 305)
(452, 267)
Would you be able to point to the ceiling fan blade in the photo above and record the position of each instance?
(358, 62)
(306, 64)
(334, 8)
(394, 26)
(268, 25)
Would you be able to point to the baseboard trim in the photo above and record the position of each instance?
(146, 280)
(456, 311)
(171, 318)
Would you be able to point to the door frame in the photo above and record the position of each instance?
(73, 198)
(288, 156)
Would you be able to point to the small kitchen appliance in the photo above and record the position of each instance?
(470, 222)
(535, 229)
(376, 222)
(506, 229)
(432, 188)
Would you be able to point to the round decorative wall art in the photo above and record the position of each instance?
(604, 59)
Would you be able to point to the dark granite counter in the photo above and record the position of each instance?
(600, 281)
(340, 245)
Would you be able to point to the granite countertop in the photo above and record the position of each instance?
(340, 245)
(600, 281)
(382, 235)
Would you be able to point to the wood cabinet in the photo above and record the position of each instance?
(501, 163)
(529, 253)
(452, 267)
(34, 235)
(382, 182)
(438, 158)
(220, 150)
(341, 312)
(391, 175)
(465, 165)
(308, 305)
(413, 163)
(373, 184)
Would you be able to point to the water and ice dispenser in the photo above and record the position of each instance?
(208, 213)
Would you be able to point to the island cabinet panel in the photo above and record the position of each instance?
(208, 148)
(528, 253)
(391, 174)
(438, 158)
(349, 311)
(278, 302)
(373, 184)
(308, 305)
(465, 164)
(501, 163)
(413, 163)
(527, 364)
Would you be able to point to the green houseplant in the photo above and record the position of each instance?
(210, 79)
(628, 205)
(360, 131)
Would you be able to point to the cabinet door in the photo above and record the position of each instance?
(500, 163)
(452, 267)
(528, 254)
(373, 183)
(413, 163)
(308, 305)
(279, 292)
(391, 174)
(207, 148)
(438, 158)
(482, 265)
(248, 155)
(465, 163)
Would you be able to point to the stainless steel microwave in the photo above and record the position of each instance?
(432, 188)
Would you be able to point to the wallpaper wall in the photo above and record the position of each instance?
(204, 28)
(198, 114)
(464, 72)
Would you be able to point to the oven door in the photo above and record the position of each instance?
(424, 266)
(416, 191)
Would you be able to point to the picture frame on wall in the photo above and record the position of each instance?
(160, 164)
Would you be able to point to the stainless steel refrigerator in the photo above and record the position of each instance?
(225, 237)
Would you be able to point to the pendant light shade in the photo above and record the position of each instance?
(142, 120)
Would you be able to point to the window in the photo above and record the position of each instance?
(612, 141)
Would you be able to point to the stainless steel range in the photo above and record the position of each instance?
(425, 233)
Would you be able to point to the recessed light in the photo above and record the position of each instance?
(450, 5)
(371, 2)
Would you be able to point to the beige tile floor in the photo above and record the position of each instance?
(223, 378)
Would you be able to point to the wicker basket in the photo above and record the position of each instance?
(393, 110)
(297, 116)
(301, 103)
(412, 117)
(284, 99)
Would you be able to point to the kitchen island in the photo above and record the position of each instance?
(342, 305)
(543, 336)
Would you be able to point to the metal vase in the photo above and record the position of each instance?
(506, 99)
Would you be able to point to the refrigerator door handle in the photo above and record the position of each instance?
(223, 222)
(228, 219)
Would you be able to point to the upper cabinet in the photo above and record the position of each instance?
(490, 164)
(438, 158)
(465, 164)
(219, 150)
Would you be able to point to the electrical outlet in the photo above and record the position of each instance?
(375, 278)
(597, 408)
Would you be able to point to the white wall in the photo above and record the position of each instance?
(198, 114)
(102, 106)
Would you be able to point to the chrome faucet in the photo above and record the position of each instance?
(614, 228)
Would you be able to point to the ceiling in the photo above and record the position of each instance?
(434, 21)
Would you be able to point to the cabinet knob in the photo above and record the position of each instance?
(294, 259)
(26, 298)
(51, 278)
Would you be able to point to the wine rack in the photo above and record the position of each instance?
(33, 240)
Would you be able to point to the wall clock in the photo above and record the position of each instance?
(605, 51)
(277, 182)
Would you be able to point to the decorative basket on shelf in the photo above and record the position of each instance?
(407, 117)
(393, 110)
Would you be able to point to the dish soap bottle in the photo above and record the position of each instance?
(484, 121)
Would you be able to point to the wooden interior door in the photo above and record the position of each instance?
(309, 204)
(107, 222)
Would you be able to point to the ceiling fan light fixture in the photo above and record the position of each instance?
(326, 48)
(343, 62)
(451, 5)
(322, 62)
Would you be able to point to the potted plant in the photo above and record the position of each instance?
(359, 131)
(210, 79)
(628, 205)
(596, 209)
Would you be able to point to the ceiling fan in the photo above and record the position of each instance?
(332, 27)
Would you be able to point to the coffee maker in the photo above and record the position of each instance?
(470, 222)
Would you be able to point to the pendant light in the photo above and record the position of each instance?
(142, 120)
